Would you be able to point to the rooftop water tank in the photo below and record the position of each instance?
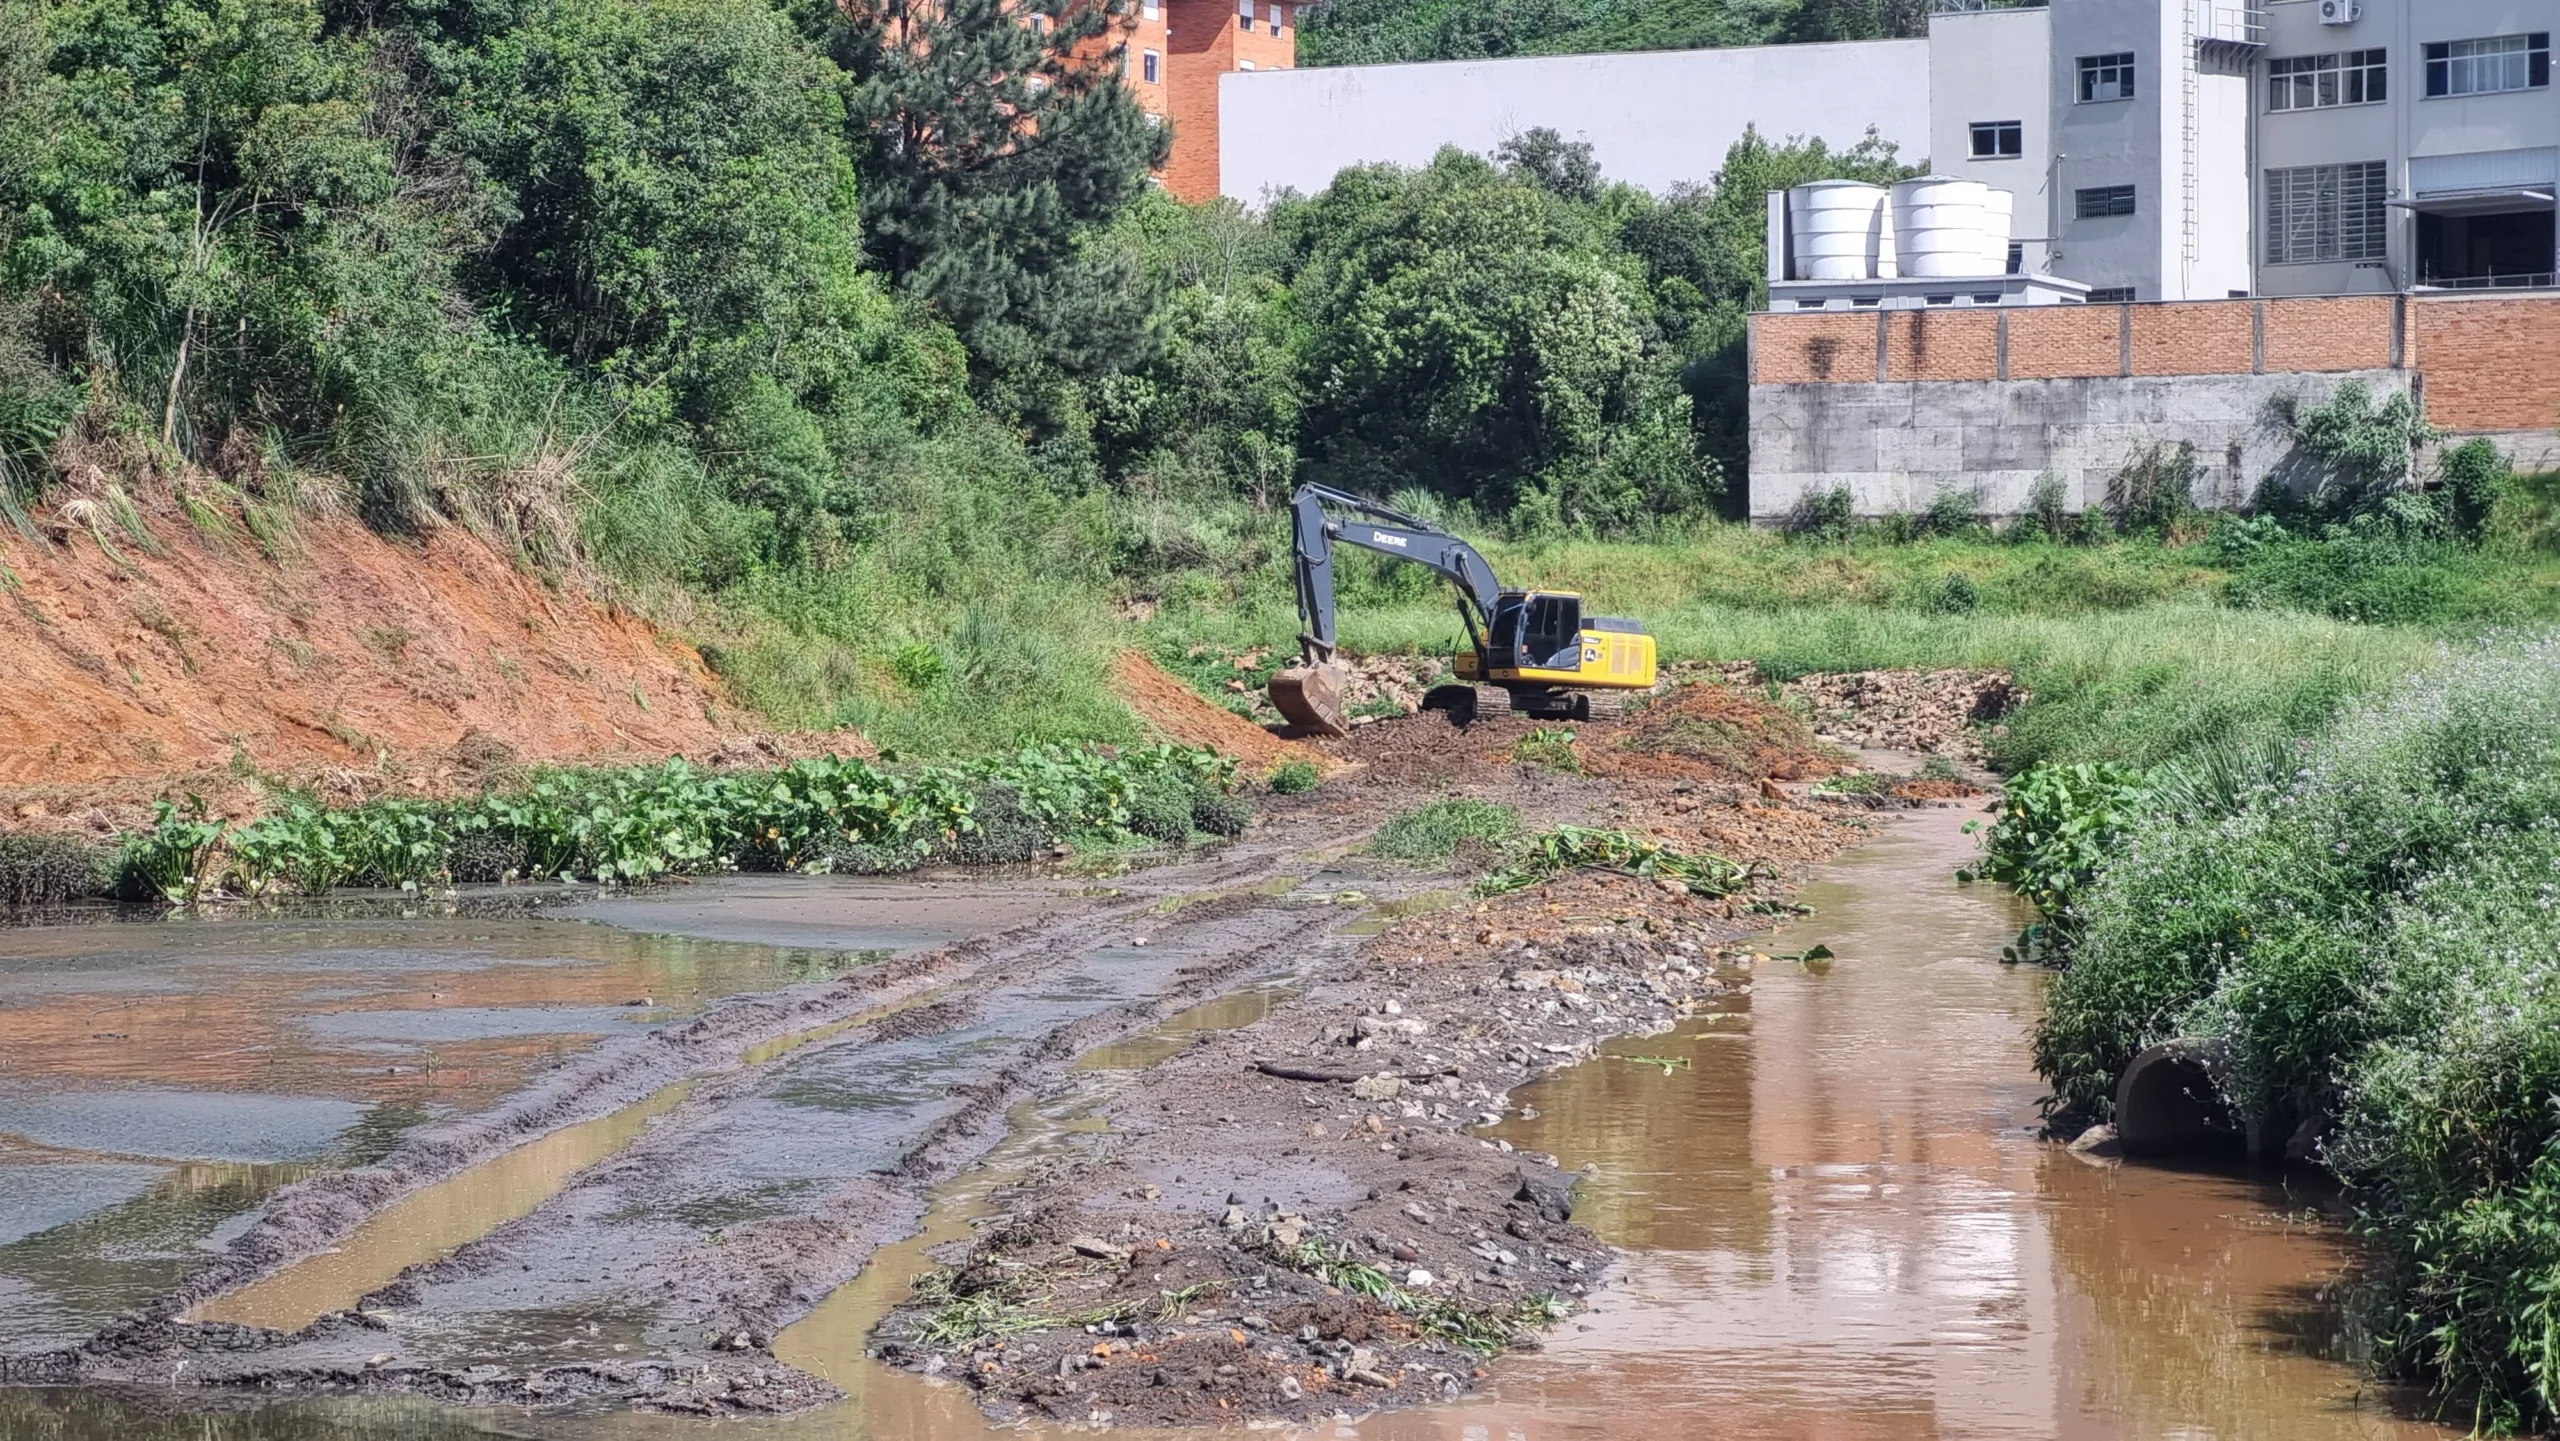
(1939, 228)
(1997, 229)
(1838, 230)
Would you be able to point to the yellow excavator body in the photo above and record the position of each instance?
(1610, 660)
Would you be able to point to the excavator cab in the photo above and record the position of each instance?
(1549, 655)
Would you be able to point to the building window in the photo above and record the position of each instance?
(1152, 67)
(1999, 139)
(1244, 14)
(2327, 212)
(1151, 9)
(2106, 77)
(2111, 295)
(2486, 67)
(1277, 18)
(2100, 201)
(1245, 65)
(2316, 82)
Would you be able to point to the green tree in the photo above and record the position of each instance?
(1474, 335)
(1215, 410)
(996, 139)
(219, 231)
(671, 199)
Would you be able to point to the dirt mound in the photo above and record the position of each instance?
(1165, 703)
(1711, 731)
(1374, 687)
(1938, 712)
(359, 661)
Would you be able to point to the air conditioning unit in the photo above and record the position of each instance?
(2339, 12)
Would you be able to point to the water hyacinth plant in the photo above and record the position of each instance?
(636, 824)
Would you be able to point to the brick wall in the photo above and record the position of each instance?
(2490, 364)
(2214, 338)
(2056, 342)
(1942, 344)
(2347, 333)
(2085, 387)
(1811, 349)
(1203, 40)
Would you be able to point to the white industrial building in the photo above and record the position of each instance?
(2151, 149)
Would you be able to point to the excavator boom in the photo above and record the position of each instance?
(1310, 694)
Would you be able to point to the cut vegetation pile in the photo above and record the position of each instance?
(1714, 732)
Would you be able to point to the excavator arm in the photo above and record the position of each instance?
(1310, 694)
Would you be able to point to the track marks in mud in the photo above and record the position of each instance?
(696, 1293)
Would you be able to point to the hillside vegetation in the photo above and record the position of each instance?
(1372, 32)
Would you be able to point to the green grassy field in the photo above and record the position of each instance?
(2132, 649)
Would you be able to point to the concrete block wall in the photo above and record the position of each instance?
(1897, 445)
(1900, 406)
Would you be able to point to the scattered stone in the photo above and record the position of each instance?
(1377, 1088)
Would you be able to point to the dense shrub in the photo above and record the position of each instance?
(47, 870)
(2375, 579)
(2372, 937)
(1295, 777)
(2058, 825)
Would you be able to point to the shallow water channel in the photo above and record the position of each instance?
(159, 1079)
(1837, 1223)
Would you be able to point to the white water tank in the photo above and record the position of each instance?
(1939, 225)
(1998, 215)
(1839, 230)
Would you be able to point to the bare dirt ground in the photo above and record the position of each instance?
(355, 662)
(1278, 1219)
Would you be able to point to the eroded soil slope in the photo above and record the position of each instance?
(129, 667)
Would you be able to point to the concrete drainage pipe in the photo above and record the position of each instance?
(2169, 1103)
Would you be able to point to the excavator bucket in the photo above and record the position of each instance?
(1311, 697)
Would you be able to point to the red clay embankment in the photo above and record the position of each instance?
(130, 665)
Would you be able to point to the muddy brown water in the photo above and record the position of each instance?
(158, 1080)
(1837, 1223)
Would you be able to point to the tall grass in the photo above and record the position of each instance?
(2376, 941)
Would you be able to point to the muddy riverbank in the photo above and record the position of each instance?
(1831, 1212)
(1278, 1132)
(638, 1219)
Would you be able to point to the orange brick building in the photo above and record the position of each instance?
(1177, 49)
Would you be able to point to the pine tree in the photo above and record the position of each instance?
(996, 138)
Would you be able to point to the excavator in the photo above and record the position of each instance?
(1533, 651)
